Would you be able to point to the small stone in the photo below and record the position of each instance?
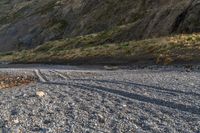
(14, 112)
(95, 124)
(47, 121)
(1, 124)
(40, 93)
(71, 104)
(39, 129)
(124, 105)
(101, 118)
(111, 67)
(16, 121)
(135, 126)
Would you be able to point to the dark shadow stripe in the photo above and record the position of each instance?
(140, 85)
(159, 102)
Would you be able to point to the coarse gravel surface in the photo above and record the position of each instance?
(69, 99)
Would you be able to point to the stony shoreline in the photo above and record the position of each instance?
(100, 100)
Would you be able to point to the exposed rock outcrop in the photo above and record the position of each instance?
(28, 23)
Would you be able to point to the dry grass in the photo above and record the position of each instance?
(165, 50)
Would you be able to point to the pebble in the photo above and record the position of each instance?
(1, 124)
(40, 93)
(16, 121)
(101, 118)
(124, 105)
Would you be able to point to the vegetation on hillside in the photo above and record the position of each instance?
(93, 49)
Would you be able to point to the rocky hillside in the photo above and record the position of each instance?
(29, 23)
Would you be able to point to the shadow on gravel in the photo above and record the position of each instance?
(141, 85)
(159, 102)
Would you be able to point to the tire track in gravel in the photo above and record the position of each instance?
(172, 92)
(143, 86)
(44, 80)
(40, 76)
(60, 75)
(126, 95)
(133, 96)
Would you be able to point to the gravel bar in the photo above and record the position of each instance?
(85, 100)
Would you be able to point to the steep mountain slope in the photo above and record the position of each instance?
(26, 24)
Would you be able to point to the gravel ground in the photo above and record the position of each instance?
(75, 100)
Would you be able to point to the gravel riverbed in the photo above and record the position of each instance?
(85, 100)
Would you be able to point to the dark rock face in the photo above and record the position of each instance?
(26, 24)
(190, 21)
